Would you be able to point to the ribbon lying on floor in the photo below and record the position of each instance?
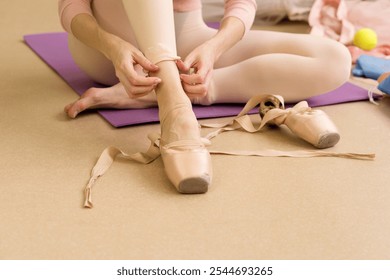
(242, 121)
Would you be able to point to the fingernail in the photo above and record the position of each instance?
(157, 81)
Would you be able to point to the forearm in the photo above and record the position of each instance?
(230, 32)
(86, 29)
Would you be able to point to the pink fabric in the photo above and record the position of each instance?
(372, 14)
(244, 10)
(186, 6)
(329, 18)
(382, 51)
(68, 9)
(340, 19)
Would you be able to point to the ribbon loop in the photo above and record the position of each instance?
(241, 121)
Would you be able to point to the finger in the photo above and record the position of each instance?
(129, 88)
(203, 72)
(137, 91)
(135, 79)
(142, 91)
(182, 66)
(189, 60)
(138, 80)
(144, 62)
(191, 79)
(198, 90)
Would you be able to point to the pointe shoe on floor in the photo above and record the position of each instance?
(186, 160)
(312, 125)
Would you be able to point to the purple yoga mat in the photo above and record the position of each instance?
(52, 48)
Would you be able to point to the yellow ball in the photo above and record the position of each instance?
(365, 39)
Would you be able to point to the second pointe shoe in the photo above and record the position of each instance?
(187, 161)
(312, 125)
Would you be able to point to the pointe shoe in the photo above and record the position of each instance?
(312, 125)
(187, 162)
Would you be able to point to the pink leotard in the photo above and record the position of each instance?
(242, 9)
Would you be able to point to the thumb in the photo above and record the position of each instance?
(182, 66)
(145, 63)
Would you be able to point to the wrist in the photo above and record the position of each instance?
(105, 42)
(230, 33)
(215, 47)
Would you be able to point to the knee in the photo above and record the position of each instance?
(92, 63)
(336, 62)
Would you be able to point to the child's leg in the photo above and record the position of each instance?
(101, 70)
(92, 62)
(112, 17)
(153, 26)
(295, 66)
(186, 160)
(108, 97)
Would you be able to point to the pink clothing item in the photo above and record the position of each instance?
(382, 51)
(244, 10)
(186, 6)
(340, 19)
(68, 9)
(329, 18)
(371, 14)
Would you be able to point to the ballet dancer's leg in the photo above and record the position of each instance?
(100, 69)
(112, 17)
(296, 66)
(186, 160)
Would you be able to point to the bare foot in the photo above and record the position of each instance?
(112, 97)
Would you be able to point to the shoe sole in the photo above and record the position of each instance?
(194, 185)
(328, 140)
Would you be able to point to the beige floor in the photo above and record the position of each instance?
(257, 208)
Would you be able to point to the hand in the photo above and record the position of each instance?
(201, 61)
(131, 68)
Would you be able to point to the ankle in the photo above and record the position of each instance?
(179, 124)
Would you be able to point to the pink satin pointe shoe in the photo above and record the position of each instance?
(312, 125)
(186, 159)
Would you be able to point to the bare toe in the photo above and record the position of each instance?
(87, 100)
(72, 109)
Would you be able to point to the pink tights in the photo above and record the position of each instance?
(295, 66)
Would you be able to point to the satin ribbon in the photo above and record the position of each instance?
(242, 121)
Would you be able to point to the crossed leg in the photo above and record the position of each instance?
(295, 66)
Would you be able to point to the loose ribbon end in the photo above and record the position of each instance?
(88, 194)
